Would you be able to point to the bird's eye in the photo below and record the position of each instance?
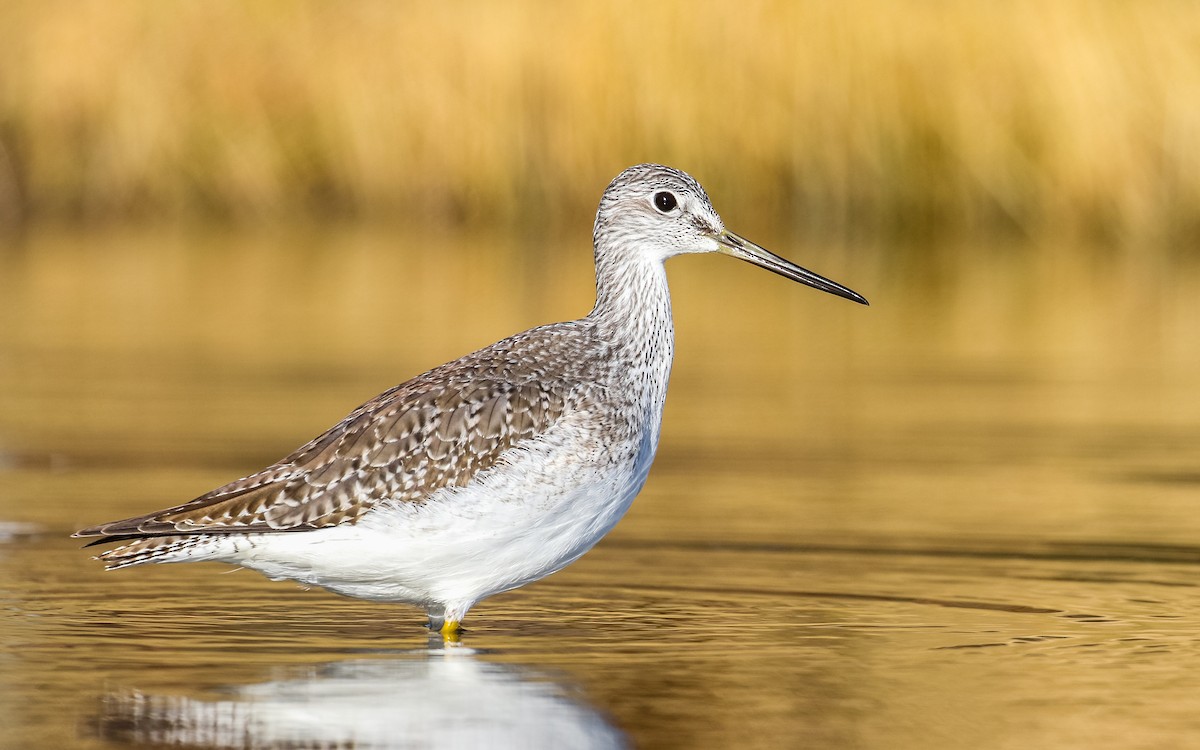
(665, 201)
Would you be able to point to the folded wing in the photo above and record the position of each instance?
(402, 446)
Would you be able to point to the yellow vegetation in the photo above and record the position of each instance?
(871, 116)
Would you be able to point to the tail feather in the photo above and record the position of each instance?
(153, 549)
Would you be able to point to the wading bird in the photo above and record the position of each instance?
(491, 471)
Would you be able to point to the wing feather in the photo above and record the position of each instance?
(438, 430)
(401, 447)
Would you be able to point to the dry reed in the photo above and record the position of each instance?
(864, 116)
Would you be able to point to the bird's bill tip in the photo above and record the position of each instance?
(739, 247)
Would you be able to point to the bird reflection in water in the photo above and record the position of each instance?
(440, 699)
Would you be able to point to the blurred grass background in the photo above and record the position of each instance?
(862, 118)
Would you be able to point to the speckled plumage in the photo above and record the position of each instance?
(489, 471)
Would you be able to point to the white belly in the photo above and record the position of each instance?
(539, 509)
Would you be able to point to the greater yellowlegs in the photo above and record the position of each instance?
(490, 471)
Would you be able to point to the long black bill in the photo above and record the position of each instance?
(740, 247)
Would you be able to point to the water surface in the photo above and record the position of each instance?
(963, 517)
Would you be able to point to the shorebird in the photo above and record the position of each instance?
(488, 472)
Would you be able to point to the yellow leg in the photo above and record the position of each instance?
(451, 631)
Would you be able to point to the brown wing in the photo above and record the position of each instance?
(426, 434)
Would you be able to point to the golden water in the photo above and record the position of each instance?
(962, 517)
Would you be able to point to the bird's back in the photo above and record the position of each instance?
(440, 429)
